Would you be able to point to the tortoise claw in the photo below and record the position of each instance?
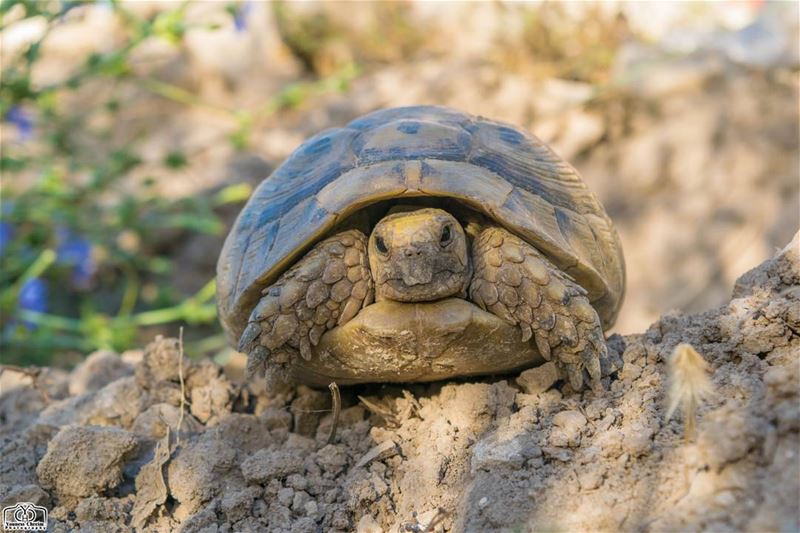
(575, 375)
(249, 334)
(256, 361)
(591, 360)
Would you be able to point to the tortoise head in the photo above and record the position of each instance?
(419, 256)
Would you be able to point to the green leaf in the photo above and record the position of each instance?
(12, 164)
(193, 222)
(175, 159)
(233, 194)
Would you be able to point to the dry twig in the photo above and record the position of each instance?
(183, 387)
(337, 407)
(383, 411)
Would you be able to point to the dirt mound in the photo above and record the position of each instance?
(164, 443)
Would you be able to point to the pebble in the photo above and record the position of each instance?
(567, 428)
(299, 500)
(590, 478)
(286, 496)
(367, 524)
(382, 451)
(539, 379)
(265, 465)
(311, 508)
(491, 452)
(569, 420)
(630, 372)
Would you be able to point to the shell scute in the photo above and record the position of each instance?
(411, 139)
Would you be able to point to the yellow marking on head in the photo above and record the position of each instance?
(413, 229)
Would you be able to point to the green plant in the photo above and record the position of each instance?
(82, 264)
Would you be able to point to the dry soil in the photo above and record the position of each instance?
(152, 441)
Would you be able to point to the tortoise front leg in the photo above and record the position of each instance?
(326, 288)
(515, 282)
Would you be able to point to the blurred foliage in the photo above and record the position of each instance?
(82, 260)
(559, 45)
(325, 41)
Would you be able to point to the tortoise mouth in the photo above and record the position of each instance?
(421, 341)
(442, 284)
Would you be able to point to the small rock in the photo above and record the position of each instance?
(116, 404)
(96, 371)
(311, 508)
(265, 465)
(332, 459)
(567, 428)
(25, 493)
(297, 482)
(634, 351)
(630, 372)
(236, 505)
(100, 509)
(85, 461)
(426, 519)
(367, 524)
(605, 423)
(276, 418)
(378, 485)
(340, 520)
(483, 502)
(286, 497)
(300, 444)
(210, 392)
(636, 439)
(151, 488)
(244, 431)
(196, 468)
(380, 452)
(299, 500)
(493, 452)
(305, 524)
(153, 422)
(590, 477)
(559, 454)
(570, 420)
(161, 362)
(539, 379)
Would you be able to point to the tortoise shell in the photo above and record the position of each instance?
(509, 175)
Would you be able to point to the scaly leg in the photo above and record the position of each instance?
(326, 288)
(515, 282)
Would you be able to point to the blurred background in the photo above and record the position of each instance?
(133, 132)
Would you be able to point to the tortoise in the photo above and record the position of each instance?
(417, 244)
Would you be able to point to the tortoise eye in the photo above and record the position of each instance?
(447, 235)
(381, 245)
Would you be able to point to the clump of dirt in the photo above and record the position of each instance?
(171, 444)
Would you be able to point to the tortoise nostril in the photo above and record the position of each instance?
(412, 251)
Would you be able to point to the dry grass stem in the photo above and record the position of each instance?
(375, 408)
(183, 386)
(337, 407)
